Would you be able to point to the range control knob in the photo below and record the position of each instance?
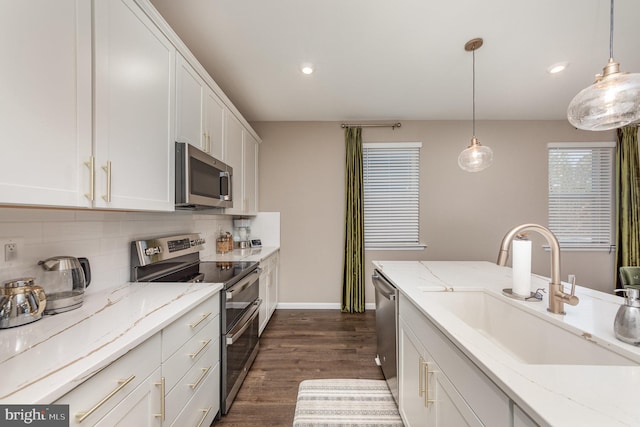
(152, 250)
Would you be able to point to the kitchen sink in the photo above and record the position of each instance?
(525, 336)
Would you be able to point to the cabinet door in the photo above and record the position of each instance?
(190, 90)
(45, 106)
(263, 314)
(214, 119)
(451, 409)
(233, 157)
(134, 109)
(414, 409)
(250, 167)
(272, 283)
(141, 408)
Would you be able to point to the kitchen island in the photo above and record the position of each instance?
(528, 388)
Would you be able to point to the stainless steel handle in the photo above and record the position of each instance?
(204, 345)
(81, 416)
(202, 318)
(243, 323)
(204, 417)
(107, 169)
(383, 287)
(242, 284)
(162, 413)
(91, 164)
(205, 371)
(199, 278)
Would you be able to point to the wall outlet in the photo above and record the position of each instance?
(11, 247)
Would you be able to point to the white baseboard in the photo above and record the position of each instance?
(316, 306)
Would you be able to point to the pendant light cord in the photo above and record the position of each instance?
(611, 32)
(473, 91)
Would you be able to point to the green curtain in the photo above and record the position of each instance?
(628, 199)
(353, 282)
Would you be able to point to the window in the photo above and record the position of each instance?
(391, 173)
(581, 183)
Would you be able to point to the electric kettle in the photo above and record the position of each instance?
(21, 302)
(64, 279)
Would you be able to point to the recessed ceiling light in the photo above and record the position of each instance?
(307, 68)
(558, 67)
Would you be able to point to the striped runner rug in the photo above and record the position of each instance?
(345, 403)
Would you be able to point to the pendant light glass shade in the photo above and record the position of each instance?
(611, 102)
(475, 157)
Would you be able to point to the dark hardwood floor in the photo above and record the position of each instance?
(298, 345)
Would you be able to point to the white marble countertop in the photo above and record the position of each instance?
(556, 395)
(43, 360)
(248, 254)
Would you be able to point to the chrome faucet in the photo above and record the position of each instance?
(557, 296)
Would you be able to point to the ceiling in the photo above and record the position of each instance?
(403, 59)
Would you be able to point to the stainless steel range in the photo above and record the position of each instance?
(177, 259)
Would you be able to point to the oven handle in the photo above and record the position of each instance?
(242, 284)
(198, 279)
(243, 323)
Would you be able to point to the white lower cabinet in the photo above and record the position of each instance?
(173, 378)
(440, 386)
(138, 405)
(118, 390)
(268, 288)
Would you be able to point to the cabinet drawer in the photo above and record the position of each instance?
(488, 402)
(203, 407)
(195, 383)
(187, 326)
(92, 399)
(206, 343)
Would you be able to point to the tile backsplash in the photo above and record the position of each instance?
(103, 237)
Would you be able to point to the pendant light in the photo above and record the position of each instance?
(612, 101)
(475, 157)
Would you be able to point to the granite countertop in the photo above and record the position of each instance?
(551, 394)
(43, 360)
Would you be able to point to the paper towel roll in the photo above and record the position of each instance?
(521, 266)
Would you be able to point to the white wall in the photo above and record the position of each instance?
(102, 236)
(463, 216)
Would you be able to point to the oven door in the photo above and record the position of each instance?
(238, 298)
(239, 350)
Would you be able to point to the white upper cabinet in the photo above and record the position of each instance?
(214, 120)
(199, 111)
(45, 102)
(233, 157)
(250, 166)
(134, 109)
(190, 89)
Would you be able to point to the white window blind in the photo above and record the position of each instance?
(581, 189)
(391, 194)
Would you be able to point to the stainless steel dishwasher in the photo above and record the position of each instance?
(387, 330)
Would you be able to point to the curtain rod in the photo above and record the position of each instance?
(372, 125)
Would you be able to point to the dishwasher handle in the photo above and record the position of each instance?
(385, 288)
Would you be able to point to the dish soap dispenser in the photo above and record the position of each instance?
(627, 322)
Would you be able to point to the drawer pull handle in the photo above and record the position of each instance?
(204, 316)
(91, 164)
(204, 417)
(81, 416)
(205, 371)
(204, 345)
(421, 381)
(162, 413)
(427, 401)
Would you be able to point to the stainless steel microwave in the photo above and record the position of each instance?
(202, 182)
